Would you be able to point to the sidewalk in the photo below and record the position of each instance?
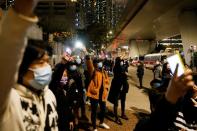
(137, 104)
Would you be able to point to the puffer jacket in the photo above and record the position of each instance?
(97, 79)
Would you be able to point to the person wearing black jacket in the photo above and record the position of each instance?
(124, 89)
(177, 110)
(81, 78)
(119, 88)
(166, 76)
(77, 77)
(140, 72)
(65, 89)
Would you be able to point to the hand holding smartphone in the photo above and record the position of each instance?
(173, 61)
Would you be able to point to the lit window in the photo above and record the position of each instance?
(73, 0)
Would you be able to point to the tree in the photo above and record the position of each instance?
(97, 34)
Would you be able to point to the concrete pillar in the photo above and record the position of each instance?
(140, 47)
(188, 30)
(133, 50)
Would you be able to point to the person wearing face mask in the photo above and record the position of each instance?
(33, 79)
(119, 88)
(159, 86)
(81, 83)
(97, 90)
(26, 102)
(78, 60)
(177, 109)
(166, 75)
(78, 92)
(61, 86)
(58, 72)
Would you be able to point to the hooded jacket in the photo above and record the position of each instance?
(20, 108)
(27, 111)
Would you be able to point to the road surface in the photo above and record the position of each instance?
(137, 103)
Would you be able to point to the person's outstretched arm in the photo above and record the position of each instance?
(165, 113)
(12, 44)
(90, 66)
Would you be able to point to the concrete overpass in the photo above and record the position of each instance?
(147, 21)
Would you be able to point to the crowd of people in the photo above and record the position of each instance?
(76, 80)
(35, 97)
(173, 100)
(42, 98)
(176, 108)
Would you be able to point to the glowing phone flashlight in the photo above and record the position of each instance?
(173, 61)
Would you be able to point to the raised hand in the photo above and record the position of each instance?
(179, 86)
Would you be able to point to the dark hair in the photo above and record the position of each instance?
(96, 61)
(34, 50)
(117, 61)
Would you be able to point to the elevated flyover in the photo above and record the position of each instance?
(147, 21)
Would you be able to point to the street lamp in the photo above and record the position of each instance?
(79, 45)
(110, 32)
(73, 0)
(107, 36)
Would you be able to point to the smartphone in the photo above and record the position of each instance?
(173, 61)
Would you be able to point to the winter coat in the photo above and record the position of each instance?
(99, 79)
(77, 76)
(140, 71)
(21, 109)
(119, 83)
(66, 97)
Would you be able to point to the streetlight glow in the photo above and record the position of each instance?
(110, 32)
(79, 45)
(73, 0)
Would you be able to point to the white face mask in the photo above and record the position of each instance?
(73, 67)
(64, 80)
(100, 65)
(42, 77)
(78, 61)
(121, 63)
